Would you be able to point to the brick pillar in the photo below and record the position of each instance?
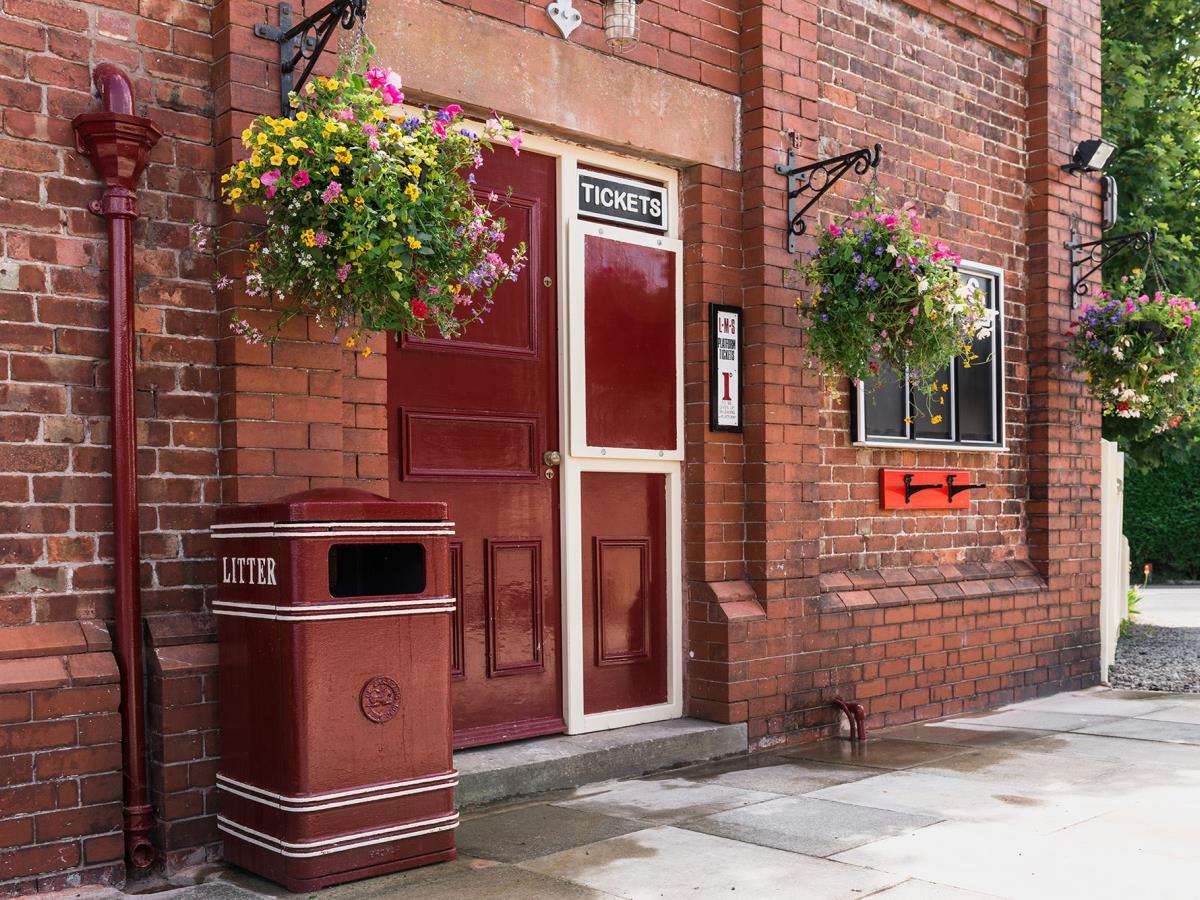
(1064, 423)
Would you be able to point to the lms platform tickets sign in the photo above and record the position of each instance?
(622, 200)
(725, 368)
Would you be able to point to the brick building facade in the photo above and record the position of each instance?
(794, 585)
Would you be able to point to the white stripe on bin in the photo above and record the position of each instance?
(334, 795)
(323, 848)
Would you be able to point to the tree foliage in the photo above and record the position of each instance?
(1150, 56)
(1151, 100)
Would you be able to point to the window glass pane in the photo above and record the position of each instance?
(884, 404)
(976, 394)
(928, 408)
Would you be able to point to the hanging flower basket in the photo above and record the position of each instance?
(883, 295)
(1140, 354)
(372, 222)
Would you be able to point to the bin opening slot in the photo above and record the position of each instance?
(374, 570)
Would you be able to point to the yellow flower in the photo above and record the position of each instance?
(255, 183)
(334, 170)
(415, 169)
(261, 139)
(302, 116)
(308, 237)
(350, 343)
(935, 420)
(298, 144)
(255, 160)
(908, 420)
(378, 114)
(277, 160)
(225, 178)
(413, 243)
(292, 159)
(235, 193)
(412, 192)
(342, 155)
(359, 204)
(330, 127)
(945, 387)
(279, 129)
(455, 288)
(366, 352)
(933, 315)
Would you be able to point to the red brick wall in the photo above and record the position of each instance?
(55, 522)
(909, 639)
(60, 755)
(954, 139)
(789, 601)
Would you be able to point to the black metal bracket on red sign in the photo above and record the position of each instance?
(817, 178)
(306, 40)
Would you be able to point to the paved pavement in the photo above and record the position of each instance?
(1092, 795)
(1170, 607)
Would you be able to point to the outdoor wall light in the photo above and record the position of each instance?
(621, 29)
(1090, 156)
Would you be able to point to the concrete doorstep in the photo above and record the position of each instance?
(490, 774)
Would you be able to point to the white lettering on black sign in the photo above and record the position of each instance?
(247, 570)
(621, 200)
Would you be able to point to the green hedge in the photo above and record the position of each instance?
(1162, 520)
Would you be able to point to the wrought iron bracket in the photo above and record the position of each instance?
(305, 41)
(1094, 255)
(817, 178)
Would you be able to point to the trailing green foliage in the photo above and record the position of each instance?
(1162, 519)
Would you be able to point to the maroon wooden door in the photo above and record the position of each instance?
(470, 422)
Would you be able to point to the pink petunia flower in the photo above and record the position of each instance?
(343, 273)
(332, 192)
(453, 110)
(321, 238)
(301, 179)
(516, 140)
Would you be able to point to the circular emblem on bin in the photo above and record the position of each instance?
(380, 699)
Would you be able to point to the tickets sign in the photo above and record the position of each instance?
(725, 368)
(616, 199)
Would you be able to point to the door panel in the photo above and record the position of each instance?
(630, 336)
(624, 590)
(470, 419)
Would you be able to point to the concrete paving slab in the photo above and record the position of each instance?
(1096, 702)
(1170, 607)
(876, 753)
(661, 801)
(1037, 719)
(987, 801)
(1128, 755)
(536, 830)
(809, 826)
(1011, 863)
(1177, 712)
(915, 889)
(960, 733)
(773, 774)
(1023, 768)
(496, 882)
(668, 863)
(1148, 730)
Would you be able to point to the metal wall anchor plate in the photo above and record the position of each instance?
(565, 16)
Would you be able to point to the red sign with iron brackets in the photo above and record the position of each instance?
(926, 488)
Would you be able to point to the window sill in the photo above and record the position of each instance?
(931, 445)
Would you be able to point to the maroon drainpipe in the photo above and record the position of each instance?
(118, 144)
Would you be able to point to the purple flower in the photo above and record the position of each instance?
(343, 273)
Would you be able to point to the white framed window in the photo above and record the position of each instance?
(891, 413)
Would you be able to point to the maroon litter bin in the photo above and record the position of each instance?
(333, 608)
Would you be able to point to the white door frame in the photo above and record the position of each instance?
(578, 458)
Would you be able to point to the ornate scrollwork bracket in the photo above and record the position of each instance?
(817, 178)
(305, 41)
(1095, 254)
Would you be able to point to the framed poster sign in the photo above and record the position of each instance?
(724, 368)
